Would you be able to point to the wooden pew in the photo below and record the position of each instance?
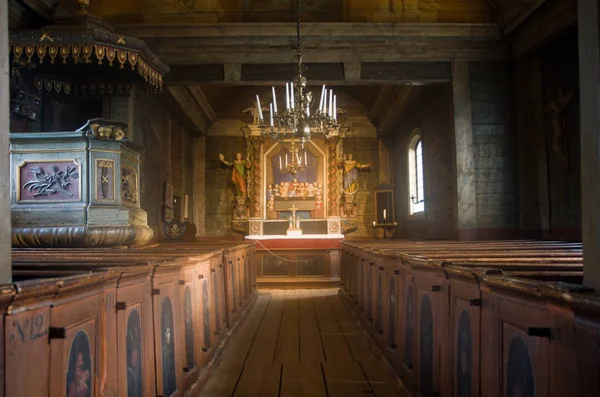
(167, 302)
(455, 278)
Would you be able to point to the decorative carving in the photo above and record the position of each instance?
(349, 210)
(105, 179)
(256, 178)
(80, 236)
(175, 229)
(240, 212)
(46, 184)
(105, 129)
(332, 202)
(128, 185)
(556, 109)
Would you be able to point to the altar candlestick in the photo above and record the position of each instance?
(384, 215)
(259, 108)
(274, 100)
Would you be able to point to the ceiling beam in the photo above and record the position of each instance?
(411, 73)
(247, 43)
(204, 104)
(186, 108)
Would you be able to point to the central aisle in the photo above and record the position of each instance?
(300, 343)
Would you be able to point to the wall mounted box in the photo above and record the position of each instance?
(76, 189)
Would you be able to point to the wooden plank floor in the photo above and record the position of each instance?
(300, 343)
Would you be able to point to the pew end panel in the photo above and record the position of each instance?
(78, 334)
(135, 332)
(433, 343)
(516, 326)
(168, 353)
(465, 318)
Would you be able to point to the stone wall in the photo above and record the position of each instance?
(495, 153)
(431, 113)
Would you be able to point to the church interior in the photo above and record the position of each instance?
(299, 198)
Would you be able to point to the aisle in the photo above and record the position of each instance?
(300, 343)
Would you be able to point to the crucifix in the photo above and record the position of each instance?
(294, 222)
(556, 110)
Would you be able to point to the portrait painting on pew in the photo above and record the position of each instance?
(168, 348)
(464, 359)
(134, 355)
(80, 374)
(519, 372)
(189, 330)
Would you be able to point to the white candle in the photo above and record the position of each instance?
(292, 94)
(330, 102)
(259, 108)
(384, 215)
(305, 162)
(271, 113)
(374, 223)
(324, 105)
(286, 160)
(298, 158)
(274, 100)
(287, 96)
(335, 107)
(308, 110)
(280, 167)
(322, 97)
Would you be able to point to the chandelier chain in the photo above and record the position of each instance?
(298, 24)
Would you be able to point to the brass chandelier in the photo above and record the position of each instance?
(298, 160)
(300, 117)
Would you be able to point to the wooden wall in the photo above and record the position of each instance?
(431, 114)
(550, 190)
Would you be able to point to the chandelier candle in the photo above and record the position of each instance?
(259, 108)
(271, 113)
(321, 101)
(292, 94)
(287, 96)
(334, 107)
(274, 101)
(330, 102)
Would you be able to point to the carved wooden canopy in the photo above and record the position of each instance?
(81, 53)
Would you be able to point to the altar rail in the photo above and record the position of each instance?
(146, 321)
(478, 318)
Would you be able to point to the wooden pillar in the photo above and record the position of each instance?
(465, 203)
(5, 232)
(589, 90)
(200, 185)
(385, 174)
(534, 199)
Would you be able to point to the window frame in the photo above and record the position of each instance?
(416, 168)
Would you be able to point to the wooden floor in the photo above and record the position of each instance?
(300, 343)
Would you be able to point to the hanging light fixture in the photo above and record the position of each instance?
(298, 160)
(300, 116)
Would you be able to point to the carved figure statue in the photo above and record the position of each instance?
(253, 110)
(556, 110)
(239, 172)
(351, 168)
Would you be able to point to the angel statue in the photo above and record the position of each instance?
(239, 172)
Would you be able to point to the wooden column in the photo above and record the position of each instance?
(534, 199)
(465, 203)
(385, 169)
(200, 185)
(589, 91)
(5, 245)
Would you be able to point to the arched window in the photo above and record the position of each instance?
(415, 169)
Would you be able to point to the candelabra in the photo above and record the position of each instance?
(301, 117)
(295, 165)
